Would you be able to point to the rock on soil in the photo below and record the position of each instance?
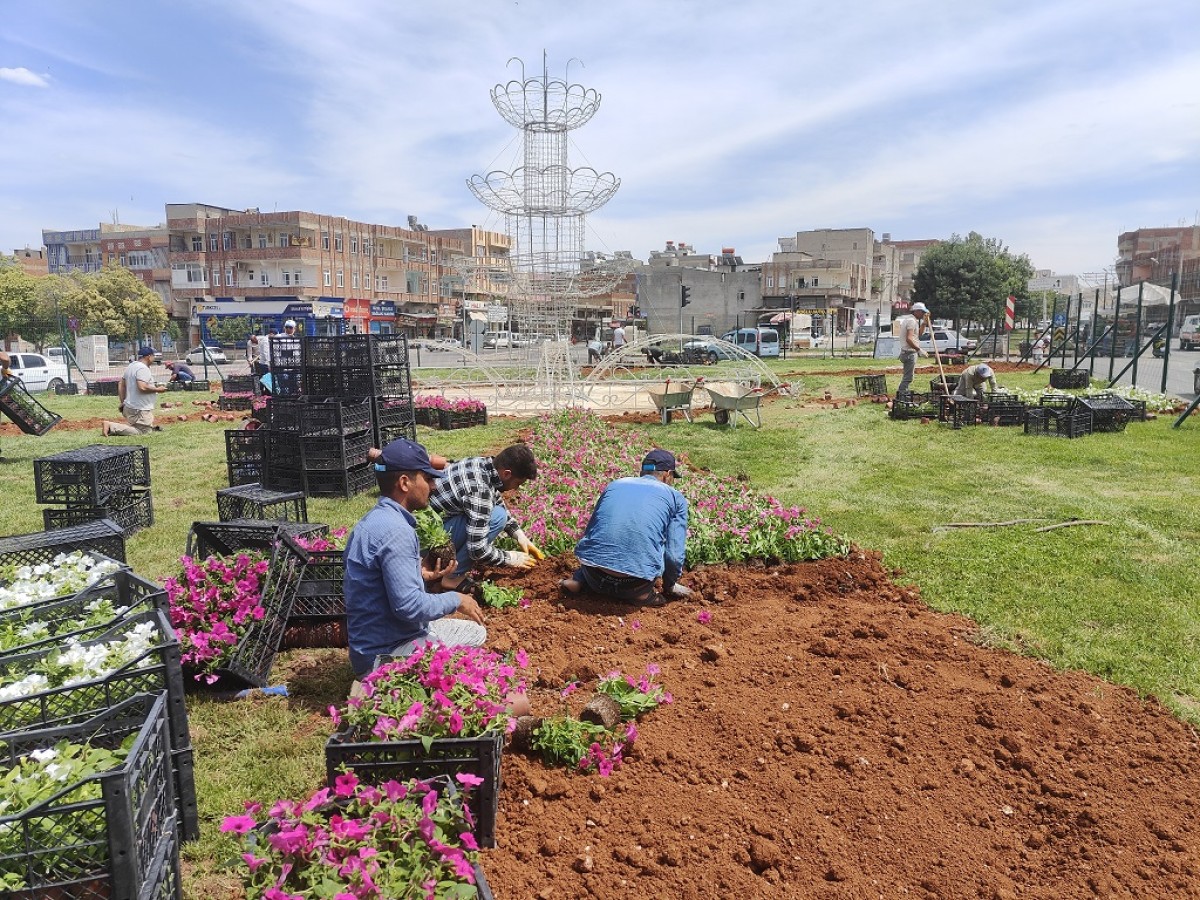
(832, 737)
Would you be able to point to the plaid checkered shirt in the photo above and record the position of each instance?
(470, 489)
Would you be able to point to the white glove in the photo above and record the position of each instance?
(679, 590)
(527, 545)
(518, 560)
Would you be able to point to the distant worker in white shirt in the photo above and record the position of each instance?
(908, 330)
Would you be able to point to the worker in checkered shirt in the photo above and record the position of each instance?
(469, 500)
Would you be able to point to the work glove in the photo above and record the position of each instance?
(679, 590)
(527, 545)
(518, 560)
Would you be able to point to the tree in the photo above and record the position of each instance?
(232, 329)
(133, 310)
(970, 278)
(71, 296)
(16, 292)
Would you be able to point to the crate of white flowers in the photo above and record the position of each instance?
(84, 595)
(88, 810)
(78, 678)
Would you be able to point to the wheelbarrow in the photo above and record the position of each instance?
(732, 400)
(670, 398)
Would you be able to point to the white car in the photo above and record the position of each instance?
(947, 340)
(37, 372)
(195, 356)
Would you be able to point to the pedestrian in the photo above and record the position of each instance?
(180, 372)
(636, 533)
(262, 364)
(469, 500)
(136, 398)
(908, 329)
(971, 382)
(1040, 346)
(252, 351)
(388, 610)
(618, 340)
(595, 348)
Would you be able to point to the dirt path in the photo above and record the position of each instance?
(832, 737)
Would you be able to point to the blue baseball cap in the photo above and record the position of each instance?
(403, 455)
(146, 350)
(658, 460)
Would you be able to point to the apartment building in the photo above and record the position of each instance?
(32, 262)
(724, 292)
(826, 272)
(1160, 256)
(329, 273)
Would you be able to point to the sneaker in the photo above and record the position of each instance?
(656, 599)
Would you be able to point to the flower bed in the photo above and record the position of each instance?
(352, 840)
(436, 411)
(727, 521)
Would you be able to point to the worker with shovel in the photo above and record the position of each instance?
(636, 532)
(908, 330)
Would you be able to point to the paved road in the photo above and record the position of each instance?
(1180, 371)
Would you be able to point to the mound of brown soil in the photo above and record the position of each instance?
(832, 737)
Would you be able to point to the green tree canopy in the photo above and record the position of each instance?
(131, 309)
(16, 301)
(970, 278)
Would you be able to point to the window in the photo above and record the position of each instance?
(227, 241)
(341, 279)
(213, 242)
(354, 278)
(247, 243)
(287, 277)
(296, 277)
(197, 243)
(263, 278)
(381, 282)
(326, 278)
(285, 240)
(814, 284)
(229, 275)
(366, 244)
(216, 277)
(195, 274)
(337, 242)
(770, 281)
(262, 240)
(122, 259)
(324, 240)
(354, 245)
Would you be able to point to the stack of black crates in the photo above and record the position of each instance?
(96, 482)
(333, 398)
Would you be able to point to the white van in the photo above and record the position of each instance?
(1189, 333)
(763, 342)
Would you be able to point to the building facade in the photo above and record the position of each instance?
(1160, 256)
(723, 292)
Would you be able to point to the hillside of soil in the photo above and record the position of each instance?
(832, 737)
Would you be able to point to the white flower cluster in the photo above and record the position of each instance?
(78, 662)
(66, 574)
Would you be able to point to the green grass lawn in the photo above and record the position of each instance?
(1119, 599)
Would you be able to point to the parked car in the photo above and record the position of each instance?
(947, 340)
(195, 356)
(712, 350)
(495, 340)
(1189, 333)
(37, 372)
(763, 342)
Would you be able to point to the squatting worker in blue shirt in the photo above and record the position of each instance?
(636, 533)
(387, 608)
(472, 509)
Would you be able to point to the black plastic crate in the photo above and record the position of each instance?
(322, 382)
(870, 385)
(355, 350)
(287, 381)
(321, 352)
(1057, 401)
(1004, 413)
(281, 448)
(78, 845)
(347, 483)
(319, 593)
(61, 616)
(943, 388)
(391, 381)
(156, 670)
(132, 509)
(224, 538)
(917, 406)
(425, 415)
(88, 474)
(389, 433)
(450, 420)
(104, 537)
(198, 384)
(1109, 411)
(323, 416)
(68, 389)
(387, 412)
(18, 404)
(183, 770)
(243, 446)
(282, 477)
(104, 388)
(958, 412)
(389, 350)
(380, 761)
(1050, 422)
(235, 402)
(246, 473)
(286, 352)
(1139, 409)
(1068, 379)
(253, 501)
(336, 453)
(238, 384)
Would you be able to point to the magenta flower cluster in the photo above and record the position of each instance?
(213, 605)
(335, 540)
(579, 454)
(605, 757)
(437, 692)
(357, 842)
(437, 401)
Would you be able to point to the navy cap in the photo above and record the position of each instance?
(146, 350)
(659, 461)
(403, 455)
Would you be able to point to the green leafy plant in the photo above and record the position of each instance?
(431, 534)
(565, 741)
(499, 597)
(634, 696)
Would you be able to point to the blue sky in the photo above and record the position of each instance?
(1053, 125)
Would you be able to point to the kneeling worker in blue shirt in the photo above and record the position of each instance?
(388, 610)
(636, 533)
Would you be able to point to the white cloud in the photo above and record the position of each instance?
(23, 76)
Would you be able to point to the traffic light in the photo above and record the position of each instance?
(684, 299)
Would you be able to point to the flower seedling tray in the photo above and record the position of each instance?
(18, 404)
(199, 384)
(319, 593)
(388, 412)
(449, 420)
(88, 475)
(122, 587)
(1109, 412)
(105, 537)
(253, 501)
(131, 508)
(917, 406)
(224, 538)
(110, 835)
(235, 402)
(425, 415)
(376, 762)
(1068, 379)
(238, 384)
(1051, 422)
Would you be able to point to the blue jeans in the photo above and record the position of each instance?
(456, 526)
(620, 587)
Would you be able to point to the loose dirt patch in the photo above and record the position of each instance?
(832, 737)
